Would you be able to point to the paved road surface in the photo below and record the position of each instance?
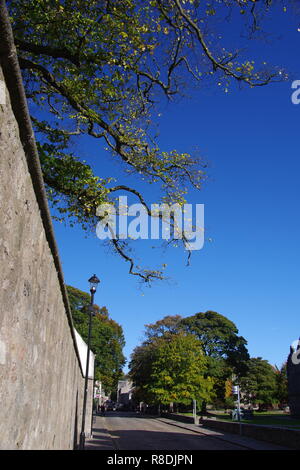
(130, 431)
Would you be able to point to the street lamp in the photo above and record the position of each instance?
(94, 281)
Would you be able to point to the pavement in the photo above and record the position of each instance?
(103, 438)
(242, 441)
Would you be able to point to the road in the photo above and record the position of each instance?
(131, 431)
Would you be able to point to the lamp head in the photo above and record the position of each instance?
(94, 281)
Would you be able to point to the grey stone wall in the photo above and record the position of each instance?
(281, 436)
(41, 380)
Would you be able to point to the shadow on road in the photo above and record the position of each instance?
(135, 434)
(154, 440)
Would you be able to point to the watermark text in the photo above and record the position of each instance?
(160, 221)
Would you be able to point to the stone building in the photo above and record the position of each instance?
(125, 390)
(293, 375)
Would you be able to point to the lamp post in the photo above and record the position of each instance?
(94, 281)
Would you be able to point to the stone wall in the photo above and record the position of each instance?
(41, 377)
(181, 418)
(281, 436)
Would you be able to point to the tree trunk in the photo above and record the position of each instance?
(203, 407)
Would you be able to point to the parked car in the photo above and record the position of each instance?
(244, 414)
(111, 407)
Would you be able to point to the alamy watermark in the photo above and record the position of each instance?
(160, 221)
(2, 92)
(295, 349)
(295, 97)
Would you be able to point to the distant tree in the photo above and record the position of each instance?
(259, 385)
(79, 302)
(171, 369)
(140, 370)
(282, 384)
(168, 325)
(107, 340)
(221, 373)
(229, 400)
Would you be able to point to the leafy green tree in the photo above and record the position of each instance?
(171, 369)
(225, 350)
(178, 371)
(219, 338)
(107, 339)
(259, 385)
(101, 68)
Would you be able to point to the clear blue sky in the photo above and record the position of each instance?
(249, 271)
